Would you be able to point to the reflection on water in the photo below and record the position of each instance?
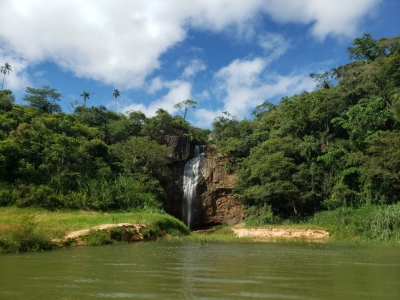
(157, 270)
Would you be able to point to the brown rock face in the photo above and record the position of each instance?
(218, 205)
(180, 145)
(215, 203)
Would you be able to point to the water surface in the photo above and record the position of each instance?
(160, 270)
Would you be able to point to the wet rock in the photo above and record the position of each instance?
(215, 203)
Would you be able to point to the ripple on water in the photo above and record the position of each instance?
(86, 280)
(268, 296)
(216, 280)
(124, 295)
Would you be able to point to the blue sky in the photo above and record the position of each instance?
(226, 55)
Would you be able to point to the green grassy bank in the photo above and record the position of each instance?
(365, 224)
(24, 229)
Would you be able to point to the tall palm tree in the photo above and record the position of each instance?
(85, 96)
(116, 95)
(6, 69)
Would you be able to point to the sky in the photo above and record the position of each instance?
(227, 55)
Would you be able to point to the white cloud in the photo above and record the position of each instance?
(204, 117)
(336, 17)
(40, 73)
(120, 42)
(240, 73)
(178, 91)
(244, 84)
(274, 45)
(194, 67)
(17, 79)
(156, 84)
(240, 100)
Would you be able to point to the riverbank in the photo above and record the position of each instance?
(24, 229)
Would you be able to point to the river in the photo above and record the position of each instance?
(165, 270)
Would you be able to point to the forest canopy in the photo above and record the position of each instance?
(337, 146)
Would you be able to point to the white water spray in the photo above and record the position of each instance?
(191, 178)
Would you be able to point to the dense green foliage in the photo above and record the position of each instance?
(91, 159)
(335, 148)
(333, 153)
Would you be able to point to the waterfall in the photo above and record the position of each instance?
(191, 178)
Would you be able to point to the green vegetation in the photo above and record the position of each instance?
(335, 149)
(184, 106)
(367, 223)
(220, 234)
(93, 159)
(23, 229)
(329, 157)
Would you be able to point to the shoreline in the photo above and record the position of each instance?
(34, 229)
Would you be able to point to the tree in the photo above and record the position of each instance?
(159, 125)
(6, 100)
(366, 48)
(43, 99)
(85, 96)
(6, 69)
(116, 95)
(184, 106)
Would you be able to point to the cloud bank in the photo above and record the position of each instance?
(120, 43)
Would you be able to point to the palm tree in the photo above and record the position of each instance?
(116, 95)
(85, 96)
(6, 69)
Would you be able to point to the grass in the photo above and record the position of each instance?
(304, 225)
(23, 229)
(365, 224)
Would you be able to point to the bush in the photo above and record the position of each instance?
(259, 216)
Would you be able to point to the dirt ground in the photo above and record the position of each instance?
(281, 233)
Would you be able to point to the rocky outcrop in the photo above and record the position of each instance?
(174, 198)
(215, 203)
(218, 205)
(130, 233)
(180, 145)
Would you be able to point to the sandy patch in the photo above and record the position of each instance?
(282, 233)
(81, 233)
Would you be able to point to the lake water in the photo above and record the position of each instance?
(163, 270)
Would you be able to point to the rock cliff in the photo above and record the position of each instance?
(215, 203)
(218, 205)
(180, 145)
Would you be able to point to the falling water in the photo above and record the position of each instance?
(191, 178)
